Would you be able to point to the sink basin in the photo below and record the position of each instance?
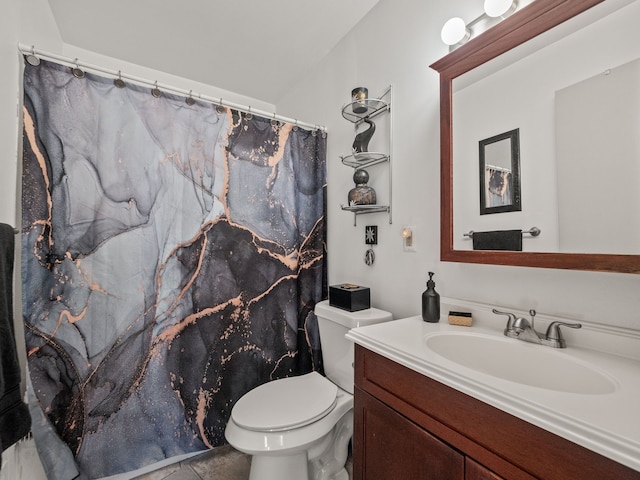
(519, 362)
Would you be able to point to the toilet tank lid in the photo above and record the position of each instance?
(350, 320)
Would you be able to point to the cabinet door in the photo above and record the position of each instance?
(387, 446)
(475, 471)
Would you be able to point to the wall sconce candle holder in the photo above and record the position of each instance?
(408, 240)
(359, 96)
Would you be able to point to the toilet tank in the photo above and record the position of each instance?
(337, 351)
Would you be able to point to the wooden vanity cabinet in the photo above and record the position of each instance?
(409, 426)
(396, 448)
(475, 471)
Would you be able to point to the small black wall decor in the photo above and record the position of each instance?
(371, 235)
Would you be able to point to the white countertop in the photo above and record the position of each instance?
(605, 423)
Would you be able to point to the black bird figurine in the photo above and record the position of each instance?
(361, 142)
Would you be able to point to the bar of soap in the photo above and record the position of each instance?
(460, 318)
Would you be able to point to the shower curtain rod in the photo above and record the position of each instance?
(499, 169)
(31, 50)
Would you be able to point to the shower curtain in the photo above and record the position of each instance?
(172, 255)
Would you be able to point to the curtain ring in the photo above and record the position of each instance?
(249, 115)
(32, 59)
(295, 125)
(220, 107)
(77, 72)
(274, 121)
(118, 82)
(190, 100)
(156, 91)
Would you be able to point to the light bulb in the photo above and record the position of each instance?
(499, 8)
(454, 31)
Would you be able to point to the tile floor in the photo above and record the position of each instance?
(222, 463)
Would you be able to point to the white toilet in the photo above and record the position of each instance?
(299, 428)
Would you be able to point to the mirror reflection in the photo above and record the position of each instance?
(597, 125)
(579, 149)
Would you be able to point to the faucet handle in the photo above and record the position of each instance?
(554, 334)
(510, 322)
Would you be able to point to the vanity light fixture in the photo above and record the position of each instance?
(455, 32)
(499, 8)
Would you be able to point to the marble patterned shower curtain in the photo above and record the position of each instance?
(172, 256)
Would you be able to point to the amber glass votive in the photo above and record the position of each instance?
(359, 96)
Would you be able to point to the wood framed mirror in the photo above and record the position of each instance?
(522, 28)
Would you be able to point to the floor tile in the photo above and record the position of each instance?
(225, 463)
(160, 474)
(221, 463)
(185, 473)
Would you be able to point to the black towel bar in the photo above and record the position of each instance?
(533, 231)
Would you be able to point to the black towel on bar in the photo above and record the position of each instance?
(15, 421)
(498, 240)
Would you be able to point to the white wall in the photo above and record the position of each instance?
(602, 215)
(113, 64)
(395, 44)
(8, 109)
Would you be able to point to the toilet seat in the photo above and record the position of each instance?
(285, 404)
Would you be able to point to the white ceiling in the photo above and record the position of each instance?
(257, 48)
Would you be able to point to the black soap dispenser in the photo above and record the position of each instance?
(431, 302)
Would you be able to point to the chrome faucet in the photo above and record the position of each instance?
(522, 329)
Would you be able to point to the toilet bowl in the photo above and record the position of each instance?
(299, 428)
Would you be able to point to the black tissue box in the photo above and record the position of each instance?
(350, 297)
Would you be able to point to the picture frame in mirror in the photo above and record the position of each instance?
(499, 162)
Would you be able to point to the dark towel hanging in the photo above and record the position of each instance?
(15, 421)
(498, 240)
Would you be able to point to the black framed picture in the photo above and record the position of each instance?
(500, 173)
(371, 235)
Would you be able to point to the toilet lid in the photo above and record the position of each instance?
(286, 403)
